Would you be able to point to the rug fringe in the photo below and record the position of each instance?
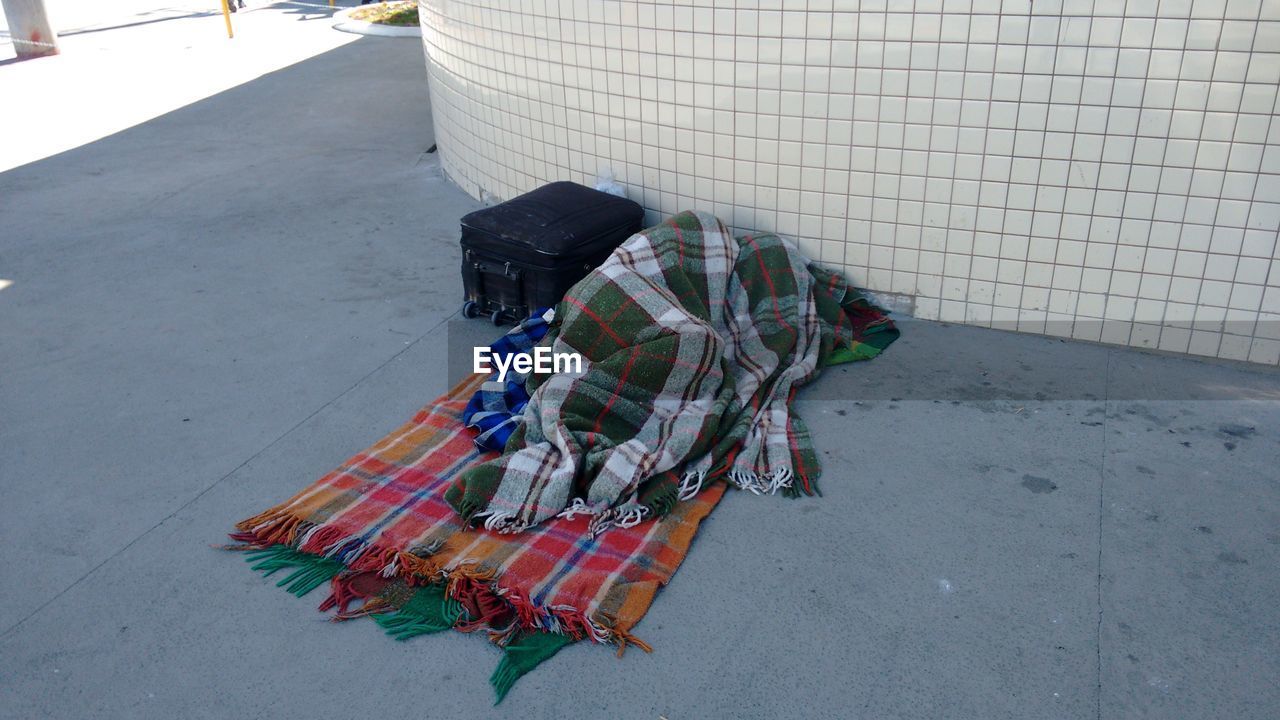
(310, 571)
(371, 607)
(524, 653)
(782, 480)
(320, 554)
(626, 638)
(428, 610)
(691, 484)
(350, 587)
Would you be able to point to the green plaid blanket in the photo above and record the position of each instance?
(693, 345)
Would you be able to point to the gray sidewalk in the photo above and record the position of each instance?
(213, 308)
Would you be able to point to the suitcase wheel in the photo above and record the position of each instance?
(496, 317)
(470, 309)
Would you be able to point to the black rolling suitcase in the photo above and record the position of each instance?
(527, 252)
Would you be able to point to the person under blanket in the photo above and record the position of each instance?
(694, 344)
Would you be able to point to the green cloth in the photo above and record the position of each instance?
(693, 345)
(526, 652)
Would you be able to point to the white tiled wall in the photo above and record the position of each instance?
(1103, 169)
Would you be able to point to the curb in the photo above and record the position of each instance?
(343, 22)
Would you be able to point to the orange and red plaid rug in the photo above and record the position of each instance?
(380, 532)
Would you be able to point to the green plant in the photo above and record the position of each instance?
(403, 13)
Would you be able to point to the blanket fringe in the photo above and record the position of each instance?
(310, 571)
(520, 656)
(465, 597)
(321, 554)
(349, 587)
(691, 484)
(413, 566)
(372, 606)
(782, 480)
(762, 483)
(428, 610)
(807, 486)
(627, 515)
(577, 507)
(626, 638)
(504, 523)
(664, 500)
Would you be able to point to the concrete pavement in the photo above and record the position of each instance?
(212, 308)
(126, 61)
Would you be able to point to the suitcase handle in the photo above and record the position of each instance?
(477, 275)
(518, 277)
(478, 269)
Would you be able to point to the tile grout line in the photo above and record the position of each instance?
(9, 630)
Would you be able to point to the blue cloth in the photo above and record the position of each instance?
(494, 411)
